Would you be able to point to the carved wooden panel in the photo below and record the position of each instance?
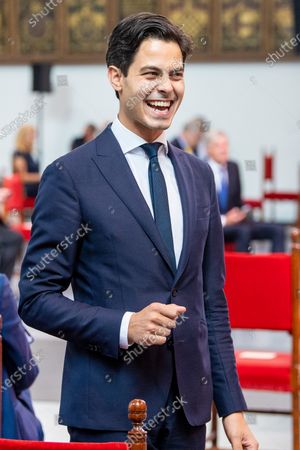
(241, 25)
(76, 31)
(283, 22)
(37, 28)
(4, 33)
(128, 7)
(195, 17)
(86, 26)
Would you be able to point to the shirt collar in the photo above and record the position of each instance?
(214, 164)
(129, 141)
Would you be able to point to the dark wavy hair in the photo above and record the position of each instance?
(128, 35)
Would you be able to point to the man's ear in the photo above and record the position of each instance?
(115, 77)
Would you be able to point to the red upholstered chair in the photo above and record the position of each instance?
(17, 202)
(270, 193)
(16, 199)
(29, 202)
(137, 437)
(263, 293)
(23, 228)
(11, 444)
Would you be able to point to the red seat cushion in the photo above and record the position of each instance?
(11, 444)
(16, 198)
(29, 202)
(264, 370)
(258, 290)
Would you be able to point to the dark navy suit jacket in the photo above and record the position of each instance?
(19, 372)
(234, 185)
(121, 264)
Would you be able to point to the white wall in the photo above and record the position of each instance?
(257, 105)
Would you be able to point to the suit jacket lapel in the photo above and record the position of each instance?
(184, 179)
(113, 165)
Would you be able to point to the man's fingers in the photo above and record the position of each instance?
(163, 321)
(153, 324)
(153, 339)
(170, 311)
(161, 331)
(236, 443)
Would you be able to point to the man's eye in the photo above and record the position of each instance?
(177, 74)
(153, 74)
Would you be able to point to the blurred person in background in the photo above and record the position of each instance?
(237, 223)
(11, 242)
(89, 134)
(23, 162)
(192, 138)
(19, 372)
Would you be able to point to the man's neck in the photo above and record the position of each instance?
(147, 134)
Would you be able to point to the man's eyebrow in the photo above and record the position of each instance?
(157, 69)
(153, 68)
(177, 68)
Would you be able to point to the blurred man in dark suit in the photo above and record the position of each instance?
(192, 138)
(89, 134)
(235, 215)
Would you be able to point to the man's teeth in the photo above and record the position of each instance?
(161, 104)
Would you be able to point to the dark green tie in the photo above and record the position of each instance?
(159, 196)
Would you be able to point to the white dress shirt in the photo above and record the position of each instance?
(138, 162)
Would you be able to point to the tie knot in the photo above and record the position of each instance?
(151, 149)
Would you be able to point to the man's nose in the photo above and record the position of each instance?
(165, 85)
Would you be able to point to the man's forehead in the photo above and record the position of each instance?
(158, 52)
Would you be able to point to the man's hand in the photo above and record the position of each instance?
(238, 432)
(153, 324)
(235, 216)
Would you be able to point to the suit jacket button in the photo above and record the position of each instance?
(108, 378)
(174, 292)
(204, 380)
(108, 293)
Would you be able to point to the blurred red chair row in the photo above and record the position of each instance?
(17, 206)
(17, 201)
(24, 228)
(263, 293)
(269, 190)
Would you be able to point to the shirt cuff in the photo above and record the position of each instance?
(124, 330)
(223, 220)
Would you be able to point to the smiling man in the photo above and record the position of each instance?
(148, 278)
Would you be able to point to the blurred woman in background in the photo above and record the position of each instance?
(23, 162)
(19, 372)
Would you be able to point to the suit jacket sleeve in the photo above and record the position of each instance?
(235, 195)
(56, 221)
(228, 396)
(20, 365)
